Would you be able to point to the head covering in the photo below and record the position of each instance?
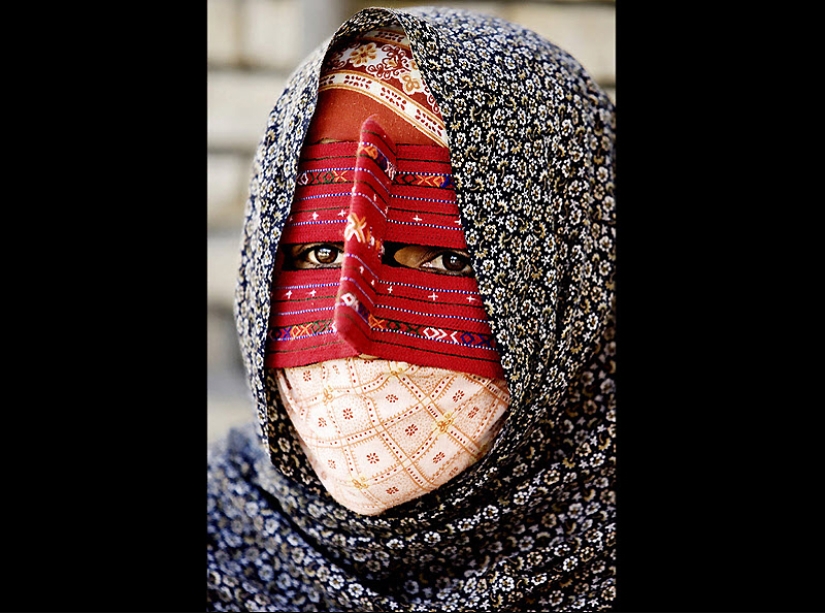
(372, 194)
(530, 526)
(376, 74)
(428, 400)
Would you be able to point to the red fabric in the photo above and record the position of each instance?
(366, 193)
(376, 74)
(357, 108)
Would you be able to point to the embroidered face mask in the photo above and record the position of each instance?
(340, 289)
(379, 433)
(373, 262)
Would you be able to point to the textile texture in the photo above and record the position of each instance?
(373, 194)
(379, 64)
(379, 433)
(531, 525)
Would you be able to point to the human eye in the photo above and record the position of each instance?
(315, 255)
(441, 261)
(450, 263)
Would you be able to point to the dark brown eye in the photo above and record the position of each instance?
(326, 254)
(449, 263)
(429, 259)
(453, 262)
(318, 255)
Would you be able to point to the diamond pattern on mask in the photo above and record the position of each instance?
(379, 433)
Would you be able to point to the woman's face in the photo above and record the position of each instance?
(338, 117)
(380, 430)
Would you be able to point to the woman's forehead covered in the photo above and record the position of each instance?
(364, 194)
(374, 74)
(531, 146)
(340, 113)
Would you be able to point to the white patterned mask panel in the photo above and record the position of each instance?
(379, 433)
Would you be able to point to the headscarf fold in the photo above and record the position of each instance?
(530, 526)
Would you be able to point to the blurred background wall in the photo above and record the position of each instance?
(252, 46)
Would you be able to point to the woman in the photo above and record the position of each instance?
(426, 314)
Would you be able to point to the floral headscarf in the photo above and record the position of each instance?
(531, 526)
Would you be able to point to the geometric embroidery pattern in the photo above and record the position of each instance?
(364, 194)
(371, 454)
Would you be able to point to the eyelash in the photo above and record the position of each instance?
(304, 256)
(308, 258)
(461, 257)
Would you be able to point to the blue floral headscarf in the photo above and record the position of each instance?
(531, 526)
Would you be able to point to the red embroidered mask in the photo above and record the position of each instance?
(359, 202)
